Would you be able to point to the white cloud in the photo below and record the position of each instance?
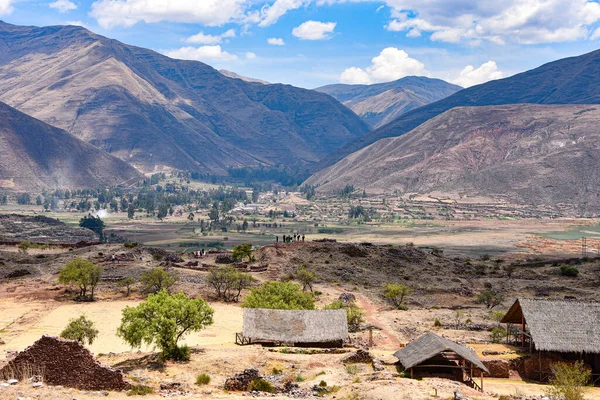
(314, 30)
(77, 23)
(269, 14)
(110, 13)
(201, 38)
(391, 64)
(63, 5)
(250, 55)
(6, 7)
(471, 76)
(520, 21)
(276, 41)
(202, 53)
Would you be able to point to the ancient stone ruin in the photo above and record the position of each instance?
(63, 362)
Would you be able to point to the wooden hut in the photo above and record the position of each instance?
(556, 328)
(432, 355)
(304, 328)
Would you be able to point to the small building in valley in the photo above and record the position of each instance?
(556, 329)
(304, 328)
(432, 355)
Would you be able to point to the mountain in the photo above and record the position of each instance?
(381, 103)
(36, 155)
(568, 81)
(527, 154)
(153, 111)
(231, 74)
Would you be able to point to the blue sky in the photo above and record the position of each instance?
(309, 43)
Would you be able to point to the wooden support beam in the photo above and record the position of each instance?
(481, 386)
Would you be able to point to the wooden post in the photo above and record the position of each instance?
(540, 362)
(411, 373)
(507, 330)
(370, 336)
(522, 330)
(481, 376)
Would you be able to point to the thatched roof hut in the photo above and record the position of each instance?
(431, 345)
(295, 326)
(563, 326)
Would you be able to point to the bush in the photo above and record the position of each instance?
(177, 353)
(490, 298)
(306, 277)
(140, 390)
(80, 329)
(228, 282)
(260, 385)
(352, 369)
(279, 296)
(437, 323)
(569, 271)
(157, 279)
(242, 251)
(569, 381)
(322, 384)
(498, 334)
(396, 292)
(202, 379)
(130, 245)
(127, 282)
(354, 314)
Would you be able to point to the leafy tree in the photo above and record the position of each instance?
(228, 282)
(94, 224)
(279, 296)
(490, 298)
(497, 316)
(130, 211)
(38, 200)
(24, 246)
(157, 279)
(306, 277)
(213, 214)
(3, 198)
(353, 313)
(162, 320)
(84, 273)
(498, 334)
(569, 381)
(191, 217)
(242, 251)
(80, 329)
(163, 211)
(396, 293)
(127, 283)
(23, 198)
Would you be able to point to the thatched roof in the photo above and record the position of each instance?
(559, 325)
(430, 345)
(295, 326)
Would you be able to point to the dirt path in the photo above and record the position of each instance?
(384, 339)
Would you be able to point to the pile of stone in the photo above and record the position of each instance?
(241, 381)
(359, 356)
(224, 258)
(63, 362)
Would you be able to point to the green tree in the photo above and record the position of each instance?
(24, 246)
(497, 316)
(228, 282)
(396, 293)
(306, 277)
(3, 198)
(82, 272)
(569, 381)
(80, 329)
(157, 279)
(162, 320)
(94, 224)
(127, 283)
(190, 217)
(279, 296)
(354, 314)
(163, 211)
(490, 298)
(130, 211)
(242, 251)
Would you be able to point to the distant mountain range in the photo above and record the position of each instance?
(156, 112)
(35, 155)
(574, 80)
(529, 154)
(231, 74)
(381, 103)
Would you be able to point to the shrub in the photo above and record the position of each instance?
(242, 251)
(396, 293)
(279, 296)
(140, 390)
(306, 277)
(260, 385)
(437, 323)
(127, 283)
(80, 329)
(300, 378)
(157, 279)
(354, 314)
(130, 245)
(569, 271)
(84, 273)
(352, 369)
(162, 320)
(228, 282)
(322, 384)
(569, 381)
(202, 379)
(177, 353)
(490, 298)
(498, 334)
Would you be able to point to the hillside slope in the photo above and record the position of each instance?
(35, 155)
(154, 111)
(381, 103)
(571, 80)
(529, 154)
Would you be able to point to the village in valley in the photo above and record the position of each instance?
(176, 288)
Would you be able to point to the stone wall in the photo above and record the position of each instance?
(63, 362)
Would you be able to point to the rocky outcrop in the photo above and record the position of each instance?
(242, 380)
(359, 356)
(63, 362)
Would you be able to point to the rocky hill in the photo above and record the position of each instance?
(528, 154)
(381, 103)
(35, 155)
(571, 80)
(154, 111)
